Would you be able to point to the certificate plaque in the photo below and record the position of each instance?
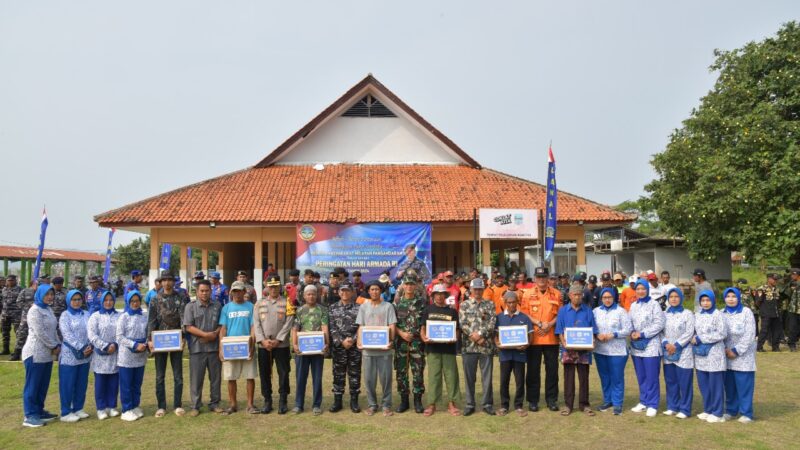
(579, 338)
(235, 347)
(167, 341)
(376, 338)
(512, 335)
(310, 342)
(443, 331)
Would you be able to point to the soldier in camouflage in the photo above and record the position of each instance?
(768, 302)
(24, 303)
(10, 315)
(792, 292)
(409, 348)
(2, 286)
(345, 353)
(412, 262)
(60, 300)
(747, 299)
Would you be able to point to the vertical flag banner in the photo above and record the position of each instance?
(551, 207)
(107, 271)
(166, 253)
(41, 244)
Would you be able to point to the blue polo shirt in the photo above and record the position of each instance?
(504, 320)
(570, 317)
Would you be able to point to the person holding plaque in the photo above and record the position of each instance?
(409, 349)
(377, 363)
(273, 325)
(477, 320)
(541, 304)
(236, 319)
(611, 349)
(344, 351)
(709, 356)
(441, 356)
(577, 314)
(132, 357)
(678, 356)
(166, 313)
(201, 321)
(513, 359)
(309, 317)
(648, 321)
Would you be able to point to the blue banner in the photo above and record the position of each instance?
(107, 271)
(370, 248)
(41, 246)
(166, 253)
(551, 207)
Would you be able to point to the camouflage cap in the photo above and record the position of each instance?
(238, 286)
(409, 279)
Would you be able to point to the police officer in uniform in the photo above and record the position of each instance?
(344, 351)
(769, 309)
(133, 285)
(24, 303)
(93, 301)
(409, 349)
(274, 318)
(10, 315)
(412, 262)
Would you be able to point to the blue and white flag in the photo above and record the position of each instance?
(551, 207)
(107, 271)
(41, 244)
(166, 253)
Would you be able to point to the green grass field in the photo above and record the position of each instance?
(776, 407)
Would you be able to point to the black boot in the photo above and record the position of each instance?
(6, 351)
(337, 403)
(418, 404)
(403, 404)
(16, 356)
(267, 406)
(282, 408)
(354, 403)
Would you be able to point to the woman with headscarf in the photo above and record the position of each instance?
(648, 323)
(678, 356)
(37, 356)
(611, 351)
(73, 362)
(709, 356)
(740, 348)
(102, 332)
(132, 340)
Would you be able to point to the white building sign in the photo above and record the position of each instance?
(509, 223)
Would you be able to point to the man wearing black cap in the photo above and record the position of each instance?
(219, 291)
(60, 300)
(250, 294)
(94, 302)
(768, 303)
(563, 286)
(11, 315)
(792, 291)
(273, 321)
(344, 351)
(700, 284)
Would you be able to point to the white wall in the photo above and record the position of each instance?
(643, 261)
(680, 266)
(596, 263)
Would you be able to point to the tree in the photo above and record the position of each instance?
(136, 256)
(647, 221)
(730, 176)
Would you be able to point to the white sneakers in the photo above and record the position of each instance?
(129, 416)
(727, 416)
(112, 412)
(81, 414)
(714, 419)
(702, 416)
(70, 418)
(745, 419)
(180, 412)
(639, 408)
(680, 415)
(102, 414)
(668, 412)
(138, 412)
(651, 412)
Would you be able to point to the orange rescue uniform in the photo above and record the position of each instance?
(495, 294)
(541, 307)
(627, 297)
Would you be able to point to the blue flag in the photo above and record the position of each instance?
(551, 208)
(166, 253)
(107, 271)
(41, 244)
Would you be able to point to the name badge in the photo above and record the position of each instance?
(512, 335)
(374, 337)
(579, 338)
(167, 341)
(235, 347)
(441, 330)
(310, 342)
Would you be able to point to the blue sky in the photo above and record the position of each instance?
(105, 103)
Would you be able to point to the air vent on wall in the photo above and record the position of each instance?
(368, 106)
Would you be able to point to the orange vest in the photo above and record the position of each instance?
(627, 297)
(541, 307)
(495, 294)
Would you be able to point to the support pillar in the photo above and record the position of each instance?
(181, 259)
(280, 266)
(521, 259)
(221, 264)
(486, 256)
(204, 261)
(23, 266)
(581, 251)
(155, 258)
(5, 267)
(258, 271)
(66, 273)
(84, 270)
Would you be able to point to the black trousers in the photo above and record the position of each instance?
(281, 358)
(771, 330)
(533, 380)
(792, 328)
(506, 369)
(569, 385)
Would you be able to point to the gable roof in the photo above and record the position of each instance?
(352, 95)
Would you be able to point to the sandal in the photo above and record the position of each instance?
(160, 413)
(502, 412)
(228, 411)
(387, 412)
(453, 410)
(566, 412)
(521, 412)
(252, 410)
(429, 411)
(588, 411)
(370, 411)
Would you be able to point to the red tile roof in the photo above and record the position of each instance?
(351, 193)
(49, 253)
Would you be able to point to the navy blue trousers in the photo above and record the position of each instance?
(647, 374)
(612, 377)
(712, 388)
(306, 364)
(680, 388)
(130, 387)
(72, 383)
(739, 392)
(106, 389)
(37, 381)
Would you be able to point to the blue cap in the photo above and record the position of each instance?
(135, 273)
(178, 281)
(215, 275)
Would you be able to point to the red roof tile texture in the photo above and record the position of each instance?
(49, 253)
(351, 193)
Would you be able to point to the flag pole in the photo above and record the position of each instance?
(42, 234)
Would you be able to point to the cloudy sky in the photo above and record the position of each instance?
(105, 103)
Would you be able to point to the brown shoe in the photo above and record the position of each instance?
(521, 412)
(194, 413)
(453, 409)
(429, 411)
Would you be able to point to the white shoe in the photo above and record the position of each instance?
(714, 419)
(81, 414)
(70, 418)
(668, 412)
(112, 412)
(639, 408)
(138, 411)
(102, 414)
(703, 416)
(727, 416)
(680, 416)
(651, 412)
(180, 412)
(129, 416)
(745, 419)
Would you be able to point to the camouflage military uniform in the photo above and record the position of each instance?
(409, 319)
(478, 317)
(59, 302)
(793, 314)
(24, 303)
(749, 302)
(769, 310)
(10, 316)
(346, 362)
(416, 265)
